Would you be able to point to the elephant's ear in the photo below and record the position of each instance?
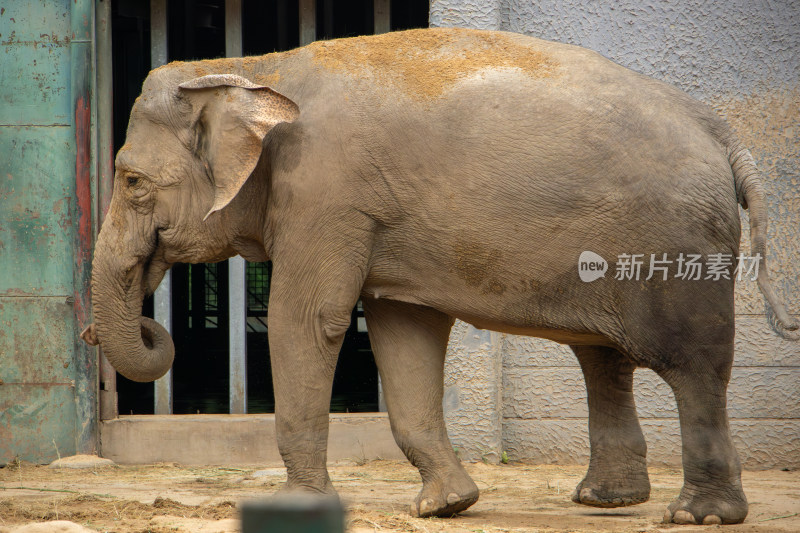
(232, 115)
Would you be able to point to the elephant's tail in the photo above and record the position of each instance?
(750, 194)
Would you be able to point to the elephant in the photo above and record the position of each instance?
(444, 174)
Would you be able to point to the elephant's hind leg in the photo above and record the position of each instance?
(712, 487)
(409, 342)
(692, 350)
(617, 474)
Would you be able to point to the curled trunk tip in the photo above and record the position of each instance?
(156, 356)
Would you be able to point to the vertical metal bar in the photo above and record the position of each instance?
(105, 173)
(163, 294)
(233, 28)
(158, 33)
(81, 63)
(237, 288)
(308, 21)
(383, 16)
(237, 300)
(105, 109)
(162, 306)
(381, 398)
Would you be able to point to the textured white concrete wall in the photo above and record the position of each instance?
(743, 58)
(473, 393)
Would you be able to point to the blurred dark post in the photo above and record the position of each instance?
(293, 513)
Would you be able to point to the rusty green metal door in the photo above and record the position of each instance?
(49, 378)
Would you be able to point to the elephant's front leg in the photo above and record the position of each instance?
(309, 313)
(409, 342)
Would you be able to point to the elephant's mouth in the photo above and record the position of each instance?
(154, 269)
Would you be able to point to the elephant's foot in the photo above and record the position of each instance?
(445, 496)
(630, 485)
(708, 507)
(611, 495)
(310, 481)
(327, 490)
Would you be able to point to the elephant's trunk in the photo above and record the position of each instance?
(137, 347)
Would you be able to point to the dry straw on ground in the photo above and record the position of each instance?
(168, 498)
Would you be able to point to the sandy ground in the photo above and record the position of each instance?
(168, 498)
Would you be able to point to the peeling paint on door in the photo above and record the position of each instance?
(47, 376)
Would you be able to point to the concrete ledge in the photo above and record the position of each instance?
(235, 439)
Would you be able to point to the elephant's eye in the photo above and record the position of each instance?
(132, 181)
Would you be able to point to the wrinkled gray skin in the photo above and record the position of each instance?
(469, 199)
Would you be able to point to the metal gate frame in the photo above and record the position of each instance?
(108, 404)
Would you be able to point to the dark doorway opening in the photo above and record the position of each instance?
(269, 26)
(196, 30)
(344, 18)
(409, 14)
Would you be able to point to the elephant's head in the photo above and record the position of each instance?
(190, 149)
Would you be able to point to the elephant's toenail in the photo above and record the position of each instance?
(683, 517)
(587, 495)
(711, 520)
(576, 497)
(452, 498)
(667, 517)
(413, 510)
(425, 506)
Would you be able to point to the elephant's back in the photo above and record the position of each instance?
(425, 64)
